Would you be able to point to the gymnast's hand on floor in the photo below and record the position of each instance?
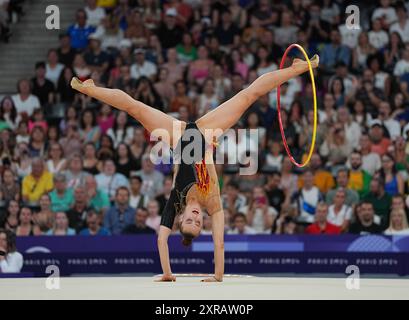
(166, 278)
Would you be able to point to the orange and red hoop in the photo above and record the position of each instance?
(314, 134)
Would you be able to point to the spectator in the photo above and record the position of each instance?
(120, 214)
(316, 26)
(56, 162)
(342, 180)
(90, 161)
(175, 68)
(81, 70)
(43, 88)
(169, 33)
(227, 32)
(9, 188)
(12, 260)
(94, 13)
(260, 216)
(137, 32)
(240, 225)
(276, 196)
(334, 52)
(90, 131)
(394, 183)
(97, 59)
(140, 226)
(380, 200)
(93, 226)
(141, 67)
(153, 220)
(398, 203)
(380, 143)
(66, 53)
(44, 218)
(121, 130)
(78, 212)
(307, 198)
(26, 227)
(402, 25)
(378, 38)
(138, 200)
(286, 33)
(98, 200)
(340, 214)
(80, 31)
(398, 223)
(385, 13)
(75, 173)
(53, 67)
(61, 197)
(285, 223)
(152, 180)
(164, 87)
(8, 113)
(37, 183)
(323, 179)
(336, 147)
(199, 69)
(365, 223)
(359, 179)
(109, 180)
(371, 161)
(71, 143)
(60, 227)
(391, 124)
(207, 100)
(322, 224)
(289, 180)
(24, 101)
(181, 99)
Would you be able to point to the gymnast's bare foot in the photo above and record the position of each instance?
(77, 84)
(302, 66)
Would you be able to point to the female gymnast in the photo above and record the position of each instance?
(195, 184)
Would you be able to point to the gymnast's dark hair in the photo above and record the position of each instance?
(187, 239)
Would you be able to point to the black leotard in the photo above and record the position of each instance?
(186, 175)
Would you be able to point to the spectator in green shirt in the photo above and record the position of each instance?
(97, 198)
(380, 200)
(61, 197)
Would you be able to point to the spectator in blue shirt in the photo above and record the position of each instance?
(334, 52)
(93, 225)
(80, 31)
(120, 214)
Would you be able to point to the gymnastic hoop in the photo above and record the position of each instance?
(314, 133)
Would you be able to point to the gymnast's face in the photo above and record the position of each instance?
(192, 219)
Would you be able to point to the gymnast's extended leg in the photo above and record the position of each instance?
(228, 113)
(151, 118)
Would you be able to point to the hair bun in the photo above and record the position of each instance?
(187, 241)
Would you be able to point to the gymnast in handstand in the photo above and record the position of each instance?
(195, 184)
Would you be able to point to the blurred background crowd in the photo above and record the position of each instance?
(72, 166)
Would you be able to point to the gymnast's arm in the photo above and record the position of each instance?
(164, 233)
(218, 240)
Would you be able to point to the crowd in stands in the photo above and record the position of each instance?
(71, 165)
